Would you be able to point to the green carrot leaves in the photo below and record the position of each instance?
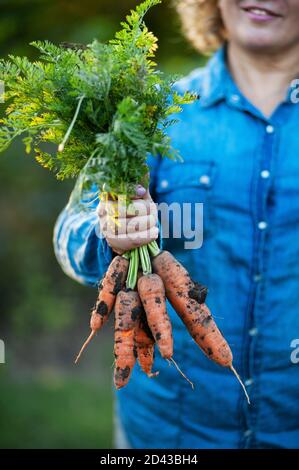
(105, 106)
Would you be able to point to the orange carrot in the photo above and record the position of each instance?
(197, 317)
(145, 345)
(152, 295)
(112, 283)
(127, 311)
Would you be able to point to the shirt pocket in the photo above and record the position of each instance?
(184, 193)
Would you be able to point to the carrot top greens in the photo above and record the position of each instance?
(104, 105)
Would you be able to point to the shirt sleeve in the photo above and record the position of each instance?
(79, 246)
(81, 251)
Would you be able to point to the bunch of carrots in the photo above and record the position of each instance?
(138, 299)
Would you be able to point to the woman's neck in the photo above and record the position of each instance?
(263, 78)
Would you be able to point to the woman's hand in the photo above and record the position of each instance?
(128, 227)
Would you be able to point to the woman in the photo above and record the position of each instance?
(240, 147)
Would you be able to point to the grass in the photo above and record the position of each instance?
(55, 412)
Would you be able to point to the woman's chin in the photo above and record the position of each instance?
(260, 43)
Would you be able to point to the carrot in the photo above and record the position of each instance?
(152, 295)
(127, 311)
(145, 345)
(112, 283)
(197, 317)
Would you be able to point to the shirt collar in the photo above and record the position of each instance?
(215, 79)
(218, 84)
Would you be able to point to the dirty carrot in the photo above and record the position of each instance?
(127, 309)
(152, 294)
(112, 283)
(145, 346)
(197, 317)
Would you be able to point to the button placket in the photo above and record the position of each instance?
(265, 174)
(253, 331)
(262, 225)
(270, 129)
(248, 382)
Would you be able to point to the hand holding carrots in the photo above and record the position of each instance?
(129, 226)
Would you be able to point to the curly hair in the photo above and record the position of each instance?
(202, 23)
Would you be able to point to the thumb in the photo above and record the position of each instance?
(140, 191)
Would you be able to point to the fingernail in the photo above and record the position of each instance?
(140, 190)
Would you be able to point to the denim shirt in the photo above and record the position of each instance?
(244, 168)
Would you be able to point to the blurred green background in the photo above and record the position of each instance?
(45, 401)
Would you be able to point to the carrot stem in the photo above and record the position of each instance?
(148, 260)
(145, 260)
(133, 269)
(68, 133)
(129, 275)
(142, 260)
(153, 248)
(241, 383)
(127, 255)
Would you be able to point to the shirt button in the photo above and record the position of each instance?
(262, 225)
(204, 179)
(235, 98)
(164, 184)
(257, 277)
(265, 174)
(269, 129)
(247, 433)
(253, 332)
(248, 382)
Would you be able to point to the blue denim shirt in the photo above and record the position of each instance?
(244, 168)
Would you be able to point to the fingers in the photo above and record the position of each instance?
(140, 193)
(141, 223)
(119, 209)
(126, 242)
(111, 226)
(141, 207)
